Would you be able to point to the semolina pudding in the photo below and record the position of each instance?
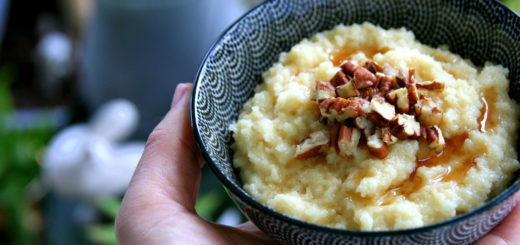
(363, 128)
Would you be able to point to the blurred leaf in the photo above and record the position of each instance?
(18, 163)
(7, 75)
(102, 234)
(514, 4)
(209, 203)
(109, 206)
(105, 233)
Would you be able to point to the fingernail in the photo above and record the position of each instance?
(180, 91)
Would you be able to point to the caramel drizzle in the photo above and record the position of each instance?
(451, 173)
(345, 52)
(482, 120)
(413, 183)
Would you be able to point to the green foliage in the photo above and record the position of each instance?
(513, 4)
(6, 77)
(102, 234)
(19, 152)
(105, 234)
(109, 206)
(208, 204)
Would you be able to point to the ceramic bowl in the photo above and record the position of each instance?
(478, 30)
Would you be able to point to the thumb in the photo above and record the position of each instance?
(171, 163)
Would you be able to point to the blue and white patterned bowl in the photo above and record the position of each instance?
(479, 30)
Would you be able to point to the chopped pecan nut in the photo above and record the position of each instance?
(378, 120)
(424, 131)
(334, 133)
(312, 145)
(384, 81)
(383, 108)
(387, 136)
(339, 109)
(364, 78)
(391, 73)
(365, 125)
(349, 68)
(401, 79)
(347, 90)
(429, 114)
(369, 93)
(408, 126)
(431, 85)
(435, 139)
(391, 97)
(365, 104)
(323, 91)
(373, 67)
(339, 79)
(348, 140)
(369, 97)
(400, 99)
(413, 96)
(376, 146)
(411, 75)
(361, 122)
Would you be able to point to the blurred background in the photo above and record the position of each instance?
(82, 84)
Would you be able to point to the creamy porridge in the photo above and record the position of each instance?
(290, 145)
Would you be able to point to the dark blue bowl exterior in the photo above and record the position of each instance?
(463, 231)
(478, 30)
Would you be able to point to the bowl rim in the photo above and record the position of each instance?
(241, 194)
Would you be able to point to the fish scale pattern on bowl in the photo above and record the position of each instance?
(478, 30)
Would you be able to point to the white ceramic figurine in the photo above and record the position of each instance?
(89, 161)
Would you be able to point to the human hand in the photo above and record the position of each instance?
(507, 232)
(159, 205)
